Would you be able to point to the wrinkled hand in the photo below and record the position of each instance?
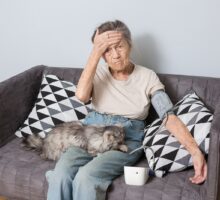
(104, 40)
(200, 167)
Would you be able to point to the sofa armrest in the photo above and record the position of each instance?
(17, 96)
(213, 182)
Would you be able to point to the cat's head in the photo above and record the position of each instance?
(114, 134)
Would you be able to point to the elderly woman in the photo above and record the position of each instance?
(121, 93)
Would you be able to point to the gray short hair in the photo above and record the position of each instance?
(116, 25)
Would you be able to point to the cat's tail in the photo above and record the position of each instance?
(33, 142)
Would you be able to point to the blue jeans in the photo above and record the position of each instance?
(80, 176)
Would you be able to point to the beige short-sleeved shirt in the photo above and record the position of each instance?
(129, 98)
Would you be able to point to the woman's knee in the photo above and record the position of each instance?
(59, 177)
(62, 172)
(82, 176)
(85, 178)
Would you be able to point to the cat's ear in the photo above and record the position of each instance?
(108, 136)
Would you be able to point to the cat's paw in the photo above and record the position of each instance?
(123, 148)
(43, 156)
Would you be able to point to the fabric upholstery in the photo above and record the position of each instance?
(22, 172)
(20, 92)
(22, 177)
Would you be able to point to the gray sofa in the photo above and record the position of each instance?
(22, 173)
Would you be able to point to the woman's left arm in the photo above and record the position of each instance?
(176, 127)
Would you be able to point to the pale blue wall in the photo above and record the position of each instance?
(170, 36)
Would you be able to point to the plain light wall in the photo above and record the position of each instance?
(169, 36)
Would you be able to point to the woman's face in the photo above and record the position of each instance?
(117, 55)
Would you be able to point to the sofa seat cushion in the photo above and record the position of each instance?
(173, 186)
(22, 173)
(23, 178)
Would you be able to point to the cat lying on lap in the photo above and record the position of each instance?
(95, 139)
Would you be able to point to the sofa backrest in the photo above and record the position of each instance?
(68, 74)
(207, 88)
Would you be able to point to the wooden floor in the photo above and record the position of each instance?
(3, 198)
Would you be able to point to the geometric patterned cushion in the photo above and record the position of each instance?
(163, 152)
(56, 103)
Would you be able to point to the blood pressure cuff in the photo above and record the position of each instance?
(162, 104)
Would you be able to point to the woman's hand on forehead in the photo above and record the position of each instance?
(106, 39)
(108, 36)
(113, 34)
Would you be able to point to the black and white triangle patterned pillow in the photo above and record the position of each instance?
(166, 154)
(56, 103)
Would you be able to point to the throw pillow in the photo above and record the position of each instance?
(56, 103)
(163, 152)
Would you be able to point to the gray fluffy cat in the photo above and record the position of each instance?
(95, 139)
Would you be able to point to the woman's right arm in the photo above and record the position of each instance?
(84, 87)
(101, 43)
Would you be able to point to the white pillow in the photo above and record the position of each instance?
(56, 103)
(164, 152)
